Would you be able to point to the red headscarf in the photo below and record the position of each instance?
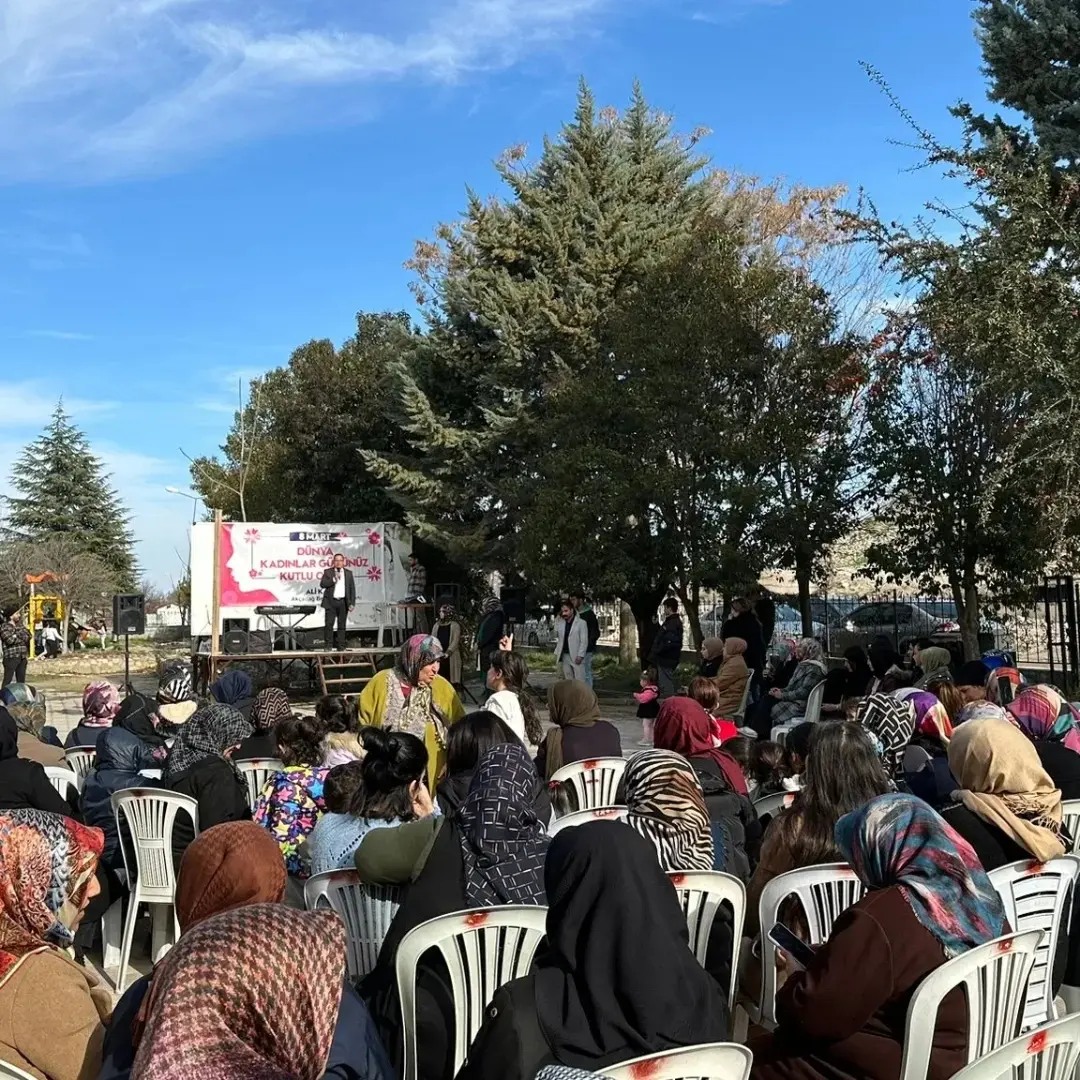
(685, 727)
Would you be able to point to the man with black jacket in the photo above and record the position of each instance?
(585, 613)
(743, 623)
(667, 648)
(339, 598)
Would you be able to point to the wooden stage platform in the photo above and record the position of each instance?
(334, 672)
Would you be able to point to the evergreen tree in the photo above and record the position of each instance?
(63, 488)
(1032, 54)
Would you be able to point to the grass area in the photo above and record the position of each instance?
(610, 677)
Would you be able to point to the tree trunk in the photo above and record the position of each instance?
(65, 623)
(644, 604)
(969, 623)
(692, 606)
(627, 635)
(802, 577)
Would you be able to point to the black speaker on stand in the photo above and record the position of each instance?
(129, 617)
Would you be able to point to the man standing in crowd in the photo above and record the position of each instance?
(667, 648)
(571, 643)
(339, 598)
(489, 633)
(765, 610)
(417, 588)
(15, 640)
(584, 610)
(743, 623)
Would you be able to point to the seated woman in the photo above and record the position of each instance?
(200, 766)
(27, 708)
(212, 1010)
(340, 720)
(52, 1010)
(138, 714)
(412, 696)
(843, 772)
(783, 706)
(891, 724)
(853, 680)
(616, 980)
(704, 692)
(226, 867)
(270, 707)
(929, 900)
(389, 787)
(1003, 684)
(579, 733)
(683, 727)
(23, 783)
(510, 700)
(235, 689)
(491, 852)
(932, 661)
(731, 678)
(292, 802)
(712, 656)
(100, 704)
(926, 760)
(176, 696)
(1051, 723)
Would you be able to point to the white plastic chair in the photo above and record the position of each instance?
(256, 771)
(582, 817)
(594, 782)
(366, 910)
(713, 1061)
(1036, 897)
(811, 716)
(701, 892)
(825, 892)
(741, 712)
(773, 804)
(995, 976)
(483, 949)
(80, 760)
(148, 816)
(1049, 1052)
(1070, 815)
(63, 780)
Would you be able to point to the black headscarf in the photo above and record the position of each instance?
(9, 735)
(136, 715)
(617, 979)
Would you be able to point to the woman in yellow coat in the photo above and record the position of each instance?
(412, 696)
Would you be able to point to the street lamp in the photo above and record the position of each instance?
(195, 499)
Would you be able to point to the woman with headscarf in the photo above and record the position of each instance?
(887, 665)
(200, 766)
(100, 704)
(843, 684)
(683, 727)
(782, 706)
(712, 656)
(138, 714)
(235, 689)
(52, 1010)
(579, 733)
(412, 696)
(926, 760)
(270, 707)
(176, 695)
(981, 710)
(929, 901)
(891, 724)
(489, 632)
(615, 978)
(448, 631)
(27, 708)
(23, 783)
(1003, 684)
(226, 867)
(1053, 726)
(731, 677)
(489, 853)
(258, 991)
(932, 661)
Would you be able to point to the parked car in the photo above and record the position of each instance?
(903, 621)
(536, 632)
(789, 624)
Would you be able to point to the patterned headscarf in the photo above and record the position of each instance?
(175, 687)
(980, 710)
(666, 805)
(892, 724)
(271, 705)
(252, 994)
(503, 843)
(1003, 675)
(1003, 782)
(1045, 716)
(46, 861)
(810, 649)
(26, 705)
(931, 717)
(232, 687)
(899, 840)
(211, 731)
(100, 704)
(419, 651)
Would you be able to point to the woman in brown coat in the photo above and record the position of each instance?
(929, 900)
(731, 678)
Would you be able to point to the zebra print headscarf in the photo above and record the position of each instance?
(666, 805)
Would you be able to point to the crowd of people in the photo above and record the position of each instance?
(922, 779)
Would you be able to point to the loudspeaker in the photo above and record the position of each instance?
(513, 603)
(235, 642)
(129, 613)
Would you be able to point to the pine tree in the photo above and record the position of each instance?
(63, 488)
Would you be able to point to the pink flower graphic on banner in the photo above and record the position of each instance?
(374, 538)
(374, 573)
(253, 573)
(251, 536)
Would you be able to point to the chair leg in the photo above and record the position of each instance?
(162, 938)
(112, 933)
(129, 935)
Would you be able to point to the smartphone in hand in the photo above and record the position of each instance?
(795, 947)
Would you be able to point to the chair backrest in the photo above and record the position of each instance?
(1036, 897)
(594, 782)
(713, 1061)
(701, 892)
(745, 696)
(825, 892)
(81, 759)
(366, 910)
(1049, 1052)
(149, 814)
(63, 780)
(814, 703)
(13, 1073)
(581, 817)
(256, 771)
(773, 804)
(995, 976)
(1070, 814)
(483, 949)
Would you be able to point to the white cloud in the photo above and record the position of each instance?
(29, 405)
(94, 89)
(59, 335)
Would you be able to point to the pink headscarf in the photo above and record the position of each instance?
(100, 703)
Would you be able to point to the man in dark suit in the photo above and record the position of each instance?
(339, 598)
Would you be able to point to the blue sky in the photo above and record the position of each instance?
(191, 188)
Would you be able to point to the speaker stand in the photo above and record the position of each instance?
(127, 664)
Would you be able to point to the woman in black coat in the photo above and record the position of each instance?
(23, 783)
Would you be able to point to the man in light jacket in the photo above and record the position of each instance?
(571, 643)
